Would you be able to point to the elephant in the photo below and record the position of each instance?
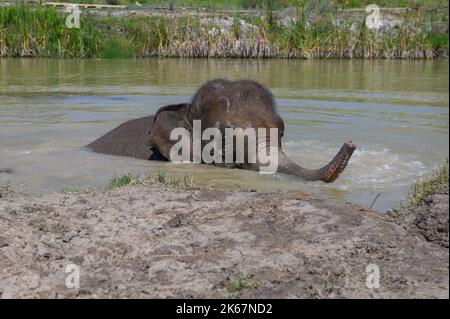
(220, 104)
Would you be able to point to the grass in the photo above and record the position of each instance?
(41, 31)
(122, 180)
(258, 4)
(238, 284)
(208, 4)
(421, 189)
(11, 211)
(179, 183)
(185, 182)
(5, 191)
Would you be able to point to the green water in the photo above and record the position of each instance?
(395, 111)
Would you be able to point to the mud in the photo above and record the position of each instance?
(428, 220)
(145, 241)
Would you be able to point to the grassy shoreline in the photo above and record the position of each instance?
(424, 187)
(27, 31)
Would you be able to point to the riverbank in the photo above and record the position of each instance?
(305, 32)
(168, 238)
(426, 214)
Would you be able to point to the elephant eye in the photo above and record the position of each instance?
(282, 133)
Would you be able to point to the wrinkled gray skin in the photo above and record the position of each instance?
(219, 104)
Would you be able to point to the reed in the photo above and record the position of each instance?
(40, 31)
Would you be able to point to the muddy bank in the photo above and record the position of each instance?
(429, 219)
(146, 241)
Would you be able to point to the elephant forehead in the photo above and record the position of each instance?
(218, 85)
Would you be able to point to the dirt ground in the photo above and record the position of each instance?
(146, 241)
(429, 219)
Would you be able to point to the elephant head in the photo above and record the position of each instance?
(219, 104)
(225, 104)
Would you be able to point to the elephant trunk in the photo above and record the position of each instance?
(328, 174)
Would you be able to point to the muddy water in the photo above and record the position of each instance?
(395, 111)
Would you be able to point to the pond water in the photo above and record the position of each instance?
(395, 111)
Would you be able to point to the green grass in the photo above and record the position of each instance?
(186, 182)
(11, 211)
(208, 4)
(423, 188)
(122, 180)
(41, 31)
(238, 284)
(275, 4)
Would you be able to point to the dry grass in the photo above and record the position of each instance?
(185, 182)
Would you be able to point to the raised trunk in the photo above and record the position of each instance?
(328, 174)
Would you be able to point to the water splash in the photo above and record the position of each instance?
(374, 167)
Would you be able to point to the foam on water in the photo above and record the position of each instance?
(374, 167)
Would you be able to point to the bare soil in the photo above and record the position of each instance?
(429, 219)
(147, 241)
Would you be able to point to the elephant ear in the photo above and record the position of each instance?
(172, 108)
(166, 119)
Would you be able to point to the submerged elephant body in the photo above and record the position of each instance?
(128, 139)
(219, 104)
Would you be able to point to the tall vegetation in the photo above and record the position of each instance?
(261, 4)
(315, 30)
(422, 188)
